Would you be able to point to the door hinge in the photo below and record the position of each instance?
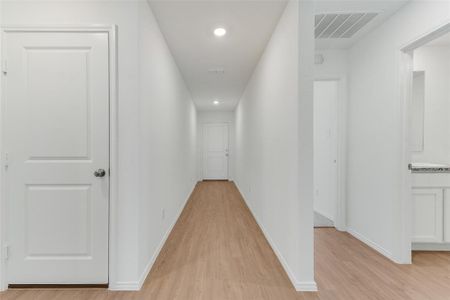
(6, 161)
(4, 66)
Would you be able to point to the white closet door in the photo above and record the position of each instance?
(57, 136)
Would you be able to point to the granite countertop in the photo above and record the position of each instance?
(429, 168)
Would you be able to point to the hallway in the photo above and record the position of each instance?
(217, 251)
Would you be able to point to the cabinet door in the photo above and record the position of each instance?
(428, 215)
(447, 215)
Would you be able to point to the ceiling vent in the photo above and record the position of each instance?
(341, 26)
(217, 71)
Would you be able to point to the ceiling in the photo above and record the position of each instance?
(382, 8)
(443, 41)
(217, 67)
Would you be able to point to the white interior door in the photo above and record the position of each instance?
(325, 148)
(57, 135)
(215, 151)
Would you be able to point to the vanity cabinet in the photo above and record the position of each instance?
(431, 211)
(428, 215)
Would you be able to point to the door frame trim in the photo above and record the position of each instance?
(111, 30)
(204, 125)
(341, 208)
(405, 59)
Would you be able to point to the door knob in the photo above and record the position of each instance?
(100, 173)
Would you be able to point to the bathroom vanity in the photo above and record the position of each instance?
(431, 206)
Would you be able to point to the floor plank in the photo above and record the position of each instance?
(217, 251)
(349, 269)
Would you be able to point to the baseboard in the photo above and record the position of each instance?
(137, 285)
(306, 286)
(299, 286)
(371, 244)
(161, 244)
(124, 286)
(430, 247)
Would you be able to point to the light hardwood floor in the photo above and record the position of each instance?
(217, 251)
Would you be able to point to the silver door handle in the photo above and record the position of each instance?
(100, 173)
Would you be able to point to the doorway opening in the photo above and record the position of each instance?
(329, 153)
(325, 153)
(426, 165)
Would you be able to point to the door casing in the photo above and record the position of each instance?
(111, 30)
(402, 253)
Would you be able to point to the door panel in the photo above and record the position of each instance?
(215, 151)
(66, 69)
(57, 135)
(66, 233)
(447, 215)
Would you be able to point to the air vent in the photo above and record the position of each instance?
(217, 71)
(341, 26)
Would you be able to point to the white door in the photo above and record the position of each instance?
(325, 148)
(215, 151)
(427, 215)
(57, 128)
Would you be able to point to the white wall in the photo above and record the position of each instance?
(167, 142)
(334, 66)
(3, 282)
(375, 167)
(156, 118)
(435, 62)
(305, 71)
(205, 117)
(272, 170)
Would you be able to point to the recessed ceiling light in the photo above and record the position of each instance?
(216, 102)
(220, 31)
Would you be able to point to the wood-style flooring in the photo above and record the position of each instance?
(217, 251)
